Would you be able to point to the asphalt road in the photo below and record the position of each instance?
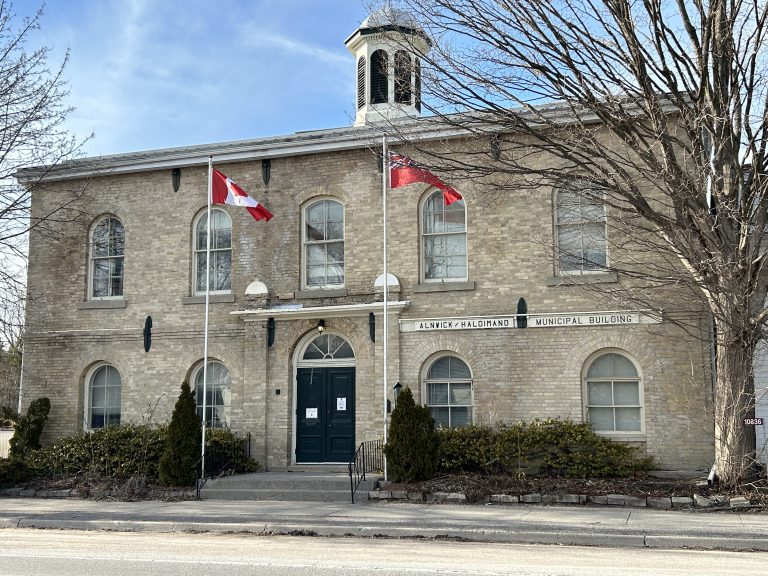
(51, 552)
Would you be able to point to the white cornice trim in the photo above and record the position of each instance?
(343, 311)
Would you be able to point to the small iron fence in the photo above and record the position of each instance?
(368, 458)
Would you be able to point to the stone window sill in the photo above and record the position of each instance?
(576, 279)
(444, 286)
(321, 293)
(102, 304)
(212, 298)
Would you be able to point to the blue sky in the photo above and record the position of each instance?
(147, 74)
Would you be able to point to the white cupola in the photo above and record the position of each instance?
(388, 47)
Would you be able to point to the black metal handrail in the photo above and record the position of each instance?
(368, 457)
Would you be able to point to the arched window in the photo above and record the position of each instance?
(448, 388)
(361, 82)
(402, 77)
(328, 347)
(220, 270)
(102, 405)
(107, 255)
(614, 394)
(379, 87)
(580, 229)
(324, 244)
(443, 239)
(218, 394)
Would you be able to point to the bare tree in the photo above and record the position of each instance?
(656, 108)
(32, 114)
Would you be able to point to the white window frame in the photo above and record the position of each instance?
(88, 396)
(306, 243)
(641, 396)
(92, 258)
(197, 253)
(227, 394)
(426, 381)
(577, 188)
(423, 235)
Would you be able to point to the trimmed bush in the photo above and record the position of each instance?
(116, 452)
(411, 448)
(550, 447)
(178, 464)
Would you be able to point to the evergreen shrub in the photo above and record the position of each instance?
(13, 473)
(28, 428)
(411, 448)
(179, 462)
(551, 447)
(115, 452)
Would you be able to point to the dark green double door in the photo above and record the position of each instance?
(325, 414)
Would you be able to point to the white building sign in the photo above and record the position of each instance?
(582, 319)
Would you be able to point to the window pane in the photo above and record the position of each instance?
(98, 396)
(335, 252)
(454, 217)
(437, 393)
(456, 245)
(461, 394)
(440, 370)
(441, 417)
(628, 419)
(461, 416)
(335, 231)
(458, 369)
(599, 394)
(315, 231)
(568, 209)
(335, 211)
(335, 274)
(601, 419)
(316, 275)
(625, 393)
(316, 254)
(97, 418)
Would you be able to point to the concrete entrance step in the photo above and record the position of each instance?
(296, 486)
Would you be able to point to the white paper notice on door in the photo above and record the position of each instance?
(341, 404)
(311, 413)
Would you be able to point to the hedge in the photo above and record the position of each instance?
(550, 447)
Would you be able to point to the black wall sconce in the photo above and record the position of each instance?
(176, 179)
(522, 313)
(147, 333)
(372, 326)
(270, 332)
(396, 391)
(320, 326)
(266, 170)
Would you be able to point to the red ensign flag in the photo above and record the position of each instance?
(403, 171)
(225, 191)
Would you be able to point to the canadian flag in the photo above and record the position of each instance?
(225, 191)
(403, 171)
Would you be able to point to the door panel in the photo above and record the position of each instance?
(340, 402)
(310, 415)
(325, 414)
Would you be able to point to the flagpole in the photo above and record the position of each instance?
(207, 302)
(385, 185)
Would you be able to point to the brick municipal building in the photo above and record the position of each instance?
(296, 304)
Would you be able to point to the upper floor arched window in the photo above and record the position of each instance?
(580, 227)
(220, 268)
(379, 73)
(107, 242)
(324, 244)
(443, 239)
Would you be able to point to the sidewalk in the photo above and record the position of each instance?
(594, 526)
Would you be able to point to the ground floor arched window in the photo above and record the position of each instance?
(448, 392)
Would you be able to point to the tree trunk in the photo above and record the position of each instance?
(734, 401)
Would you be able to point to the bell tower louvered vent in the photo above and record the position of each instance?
(388, 47)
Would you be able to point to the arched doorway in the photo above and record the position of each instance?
(325, 400)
